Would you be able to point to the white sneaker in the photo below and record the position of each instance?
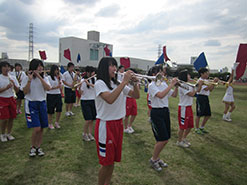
(3, 138)
(57, 125)
(126, 130)
(10, 137)
(131, 130)
(90, 137)
(182, 144)
(67, 114)
(51, 127)
(85, 137)
(71, 113)
(187, 142)
(226, 119)
(155, 165)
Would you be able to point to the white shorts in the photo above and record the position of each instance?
(228, 98)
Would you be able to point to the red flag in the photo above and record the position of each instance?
(67, 54)
(125, 62)
(107, 51)
(242, 60)
(42, 55)
(165, 55)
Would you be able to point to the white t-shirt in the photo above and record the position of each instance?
(131, 87)
(87, 93)
(156, 102)
(68, 78)
(203, 92)
(37, 91)
(106, 111)
(184, 99)
(53, 83)
(20, 75)
(4, 82)
(120, 77)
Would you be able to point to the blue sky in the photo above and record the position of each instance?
(134, 27)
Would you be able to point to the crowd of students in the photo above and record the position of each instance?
(107, 99)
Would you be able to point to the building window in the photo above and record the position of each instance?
(94, 54)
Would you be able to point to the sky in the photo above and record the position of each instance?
(134, 27)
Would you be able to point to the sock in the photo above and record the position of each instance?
(229, 114)
(224, 115)
(201, 127)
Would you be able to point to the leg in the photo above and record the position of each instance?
(226, 108)
(90, 126)
(204, 121)
(232, 107)
(105, 174)
(85, 129)
(126, 121)
(50, 118)
(10, 125)
(67, 107)
(132, 119)
(35, 136)
(70, 107)
(4, 125)
(158, 147)
(40, 137)
(180, 135)
(197, 121)
(18, 105)
(58, 115)
(186, 132)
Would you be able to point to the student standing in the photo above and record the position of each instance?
(8, 84)
(110, 107)
(34, 87)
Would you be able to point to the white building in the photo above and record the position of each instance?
(90, 50)
(138, 63)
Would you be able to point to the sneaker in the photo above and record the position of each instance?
(198, 131)
(187, 142)
(90, 137)
(131, 130)
(85, 137)
(10, 137)
(162, 163)
(67, 114)
(226, 119)
(182, 144)
(155, 165)
(3, 138)
(40, 152)
(32, 152)
(57, 125)
(51, 126)
(71, 113)
(203, 130)
(126, 130)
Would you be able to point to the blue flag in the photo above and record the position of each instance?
(160, 59)
(78, 58)
(62, 70)
(200, 61)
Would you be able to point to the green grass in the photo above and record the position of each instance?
(216, 158)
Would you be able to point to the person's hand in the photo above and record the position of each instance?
(200, 82)
(174, 81)
(216, 79)
(10, 85)
(37, 74)
(30, 76)
(127, 76)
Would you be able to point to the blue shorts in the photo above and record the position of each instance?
(36, 114)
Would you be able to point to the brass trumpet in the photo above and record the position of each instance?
(76, 85)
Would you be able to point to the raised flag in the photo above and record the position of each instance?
(160, 59)
(62, 70)
(125, 61)
(107, 51)
(42, 55)
(78, 58)
(200, 61)
(242, 60)
(164, 53)
(67, 54)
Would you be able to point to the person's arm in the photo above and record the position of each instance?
(46, 86)
(175, 92)
(26, 89)
(135, 93)
(15, 85)
(191, 93)
(6, 88)
(163, 93)
(110, 97)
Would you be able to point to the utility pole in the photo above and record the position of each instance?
(30, 47)
(159, 50)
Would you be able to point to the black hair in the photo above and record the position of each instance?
(202, 70)
(156, 69)
(183, 75)
(11, 67)
(18, 64)
(149, 74)
(120, 67)
(89, 69)
(34, 64)
(3, 64)
(52, 72)
(103, 71)
(69, 65)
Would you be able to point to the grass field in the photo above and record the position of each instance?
(216, 158)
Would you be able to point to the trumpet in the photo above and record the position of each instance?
(76, 85)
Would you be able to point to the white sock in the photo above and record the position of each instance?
(228, 114)
(224, 115)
